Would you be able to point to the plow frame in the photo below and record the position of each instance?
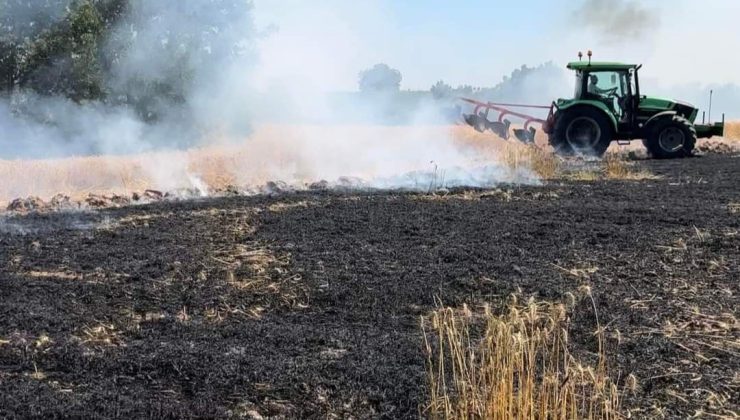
(503, 110)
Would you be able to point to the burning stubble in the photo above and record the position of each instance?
(355, 156)
(192, 77)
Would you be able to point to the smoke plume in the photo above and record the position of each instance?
(199, 74)
(616, 21)
(167, 72)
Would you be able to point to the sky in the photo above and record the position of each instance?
(477, 42)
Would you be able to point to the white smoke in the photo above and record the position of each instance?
(617, 21)
(36, 126)
(197, 53)
(230, 79)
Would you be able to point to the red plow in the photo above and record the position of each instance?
(479, 119)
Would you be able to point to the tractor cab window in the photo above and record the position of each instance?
(610, 87)
(606, 83)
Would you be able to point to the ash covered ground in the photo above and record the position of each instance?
(308, 304)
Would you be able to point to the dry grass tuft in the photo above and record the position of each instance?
(259, 260)
(699, 333)
(582, 273)
(545, 164)
(101, 335)
(615, 166)
(259, 271)
(505, 195)
(584, 175)
(53, 275)
(285, 206)
(37, 374)
(512, 366)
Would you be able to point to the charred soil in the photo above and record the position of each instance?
(308, 304)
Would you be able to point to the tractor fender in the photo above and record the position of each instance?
(658, 117)
(589, 103)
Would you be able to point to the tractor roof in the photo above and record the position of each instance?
(597, 66)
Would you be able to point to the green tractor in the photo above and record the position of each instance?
(607, 106)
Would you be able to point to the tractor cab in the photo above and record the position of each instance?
(615, 85)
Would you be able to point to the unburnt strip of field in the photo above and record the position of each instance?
(297, 154)
(310, 304)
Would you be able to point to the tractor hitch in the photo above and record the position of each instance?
(704, 131)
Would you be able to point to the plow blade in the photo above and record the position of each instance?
(480, 122)
(525, 136)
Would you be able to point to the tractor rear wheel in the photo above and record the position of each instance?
(671, 137)
(583, 130)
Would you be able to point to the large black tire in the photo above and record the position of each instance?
(582, 130)
(670, 137)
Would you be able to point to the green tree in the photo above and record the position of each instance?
(441, 90)
(54, 46)
(86, 31)
(380, 78)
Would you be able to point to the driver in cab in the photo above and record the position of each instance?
(607, 96)
(594, 89)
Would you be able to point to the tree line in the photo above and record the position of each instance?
(537, 83)
(55, 47)
(69, 48)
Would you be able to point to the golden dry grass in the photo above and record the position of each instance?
(584, 175)
(732, 130)
(542, 162)
(274, 152)
(538, 158)
(299, 153)
(256, 269)
(101, 335)
(468, 195)
(615, 166)
(283, 206)
(54, 275)
(513, 366)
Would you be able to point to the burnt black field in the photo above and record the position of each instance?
(307, 305)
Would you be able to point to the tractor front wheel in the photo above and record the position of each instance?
(670, 138)
(585, 131)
